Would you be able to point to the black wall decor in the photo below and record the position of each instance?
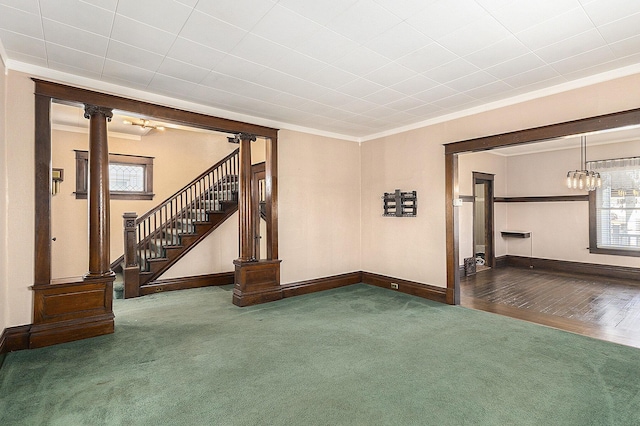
(400, 204)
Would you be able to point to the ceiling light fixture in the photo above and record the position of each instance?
(583, 179)
(144, 124)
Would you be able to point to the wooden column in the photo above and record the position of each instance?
(245, 211)
(99, 265)
(255, 281)
(271, 182)
(452, 238)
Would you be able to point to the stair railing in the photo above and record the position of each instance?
(175, 216)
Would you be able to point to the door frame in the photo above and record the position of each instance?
(487, 180)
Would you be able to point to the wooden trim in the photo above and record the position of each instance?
(182, 283)
(194, 119)
(610, 271)
(542, 199)
(591, 124)
(437, 294)
(320, 284)
(487, 180)
(14, 339)
(271, 206)
(451, 229)
(501, 261)
(467, 198)
(42, 272)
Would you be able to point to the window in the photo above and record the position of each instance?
(130, 176)
(614, 209)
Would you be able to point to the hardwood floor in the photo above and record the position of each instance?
(604, 308)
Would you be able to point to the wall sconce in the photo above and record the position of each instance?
(57, 176)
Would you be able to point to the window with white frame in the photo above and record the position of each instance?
(614, 210)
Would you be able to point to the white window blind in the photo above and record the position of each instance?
(618, 203)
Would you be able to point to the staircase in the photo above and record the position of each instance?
(157, 239)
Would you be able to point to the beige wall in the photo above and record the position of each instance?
(560, 230)
(179, 156)
(4, 243)
(19, 198)
(319, 206)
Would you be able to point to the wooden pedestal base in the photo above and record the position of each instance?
(72, 310)
(256, 282)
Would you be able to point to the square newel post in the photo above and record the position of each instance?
(131, 269)
(255, 281)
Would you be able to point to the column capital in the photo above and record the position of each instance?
(91, 110)
(241, 137)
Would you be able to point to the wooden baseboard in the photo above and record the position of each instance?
(610, 271)
(501, 261)
(42, 335)
(438, 294)
(182, 283)
(14, 339)
(320, 284)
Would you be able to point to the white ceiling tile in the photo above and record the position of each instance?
(589, 40)
(584, 60)
(493, 89)
(320, 11)
(454, 101)
(416, 84)
(196, 54)
(212, 32)
(64, 55)
(28, 59)
(451, 71)
(384, 96)
(603, 12)
(621, 29)
(134, 56)
(474, 36)
(190, 3)
(405, 103)
(425, 111)
(522, 14)
(363, 21)
(327, 45)
(542, 84)
(285, 27)
(288, 100)
(335, 98)
(168, 15)
(297, 64)
(493, 5)
(75, 38)
(360, 61)
(141, 35)
(472, 81)
(243, 14)
(504, 50)
(295, 86)
(398, 41)
(260, 50)
(429, 57)
(405, 9)
(444, 17)
(331, 77)
(532, 76)
(435, 93)
(360, 88)
(390, 74)
(126, 72)
(29, 46)
(79, 14)
(359, 106)
(29, 6)
(563, 26)
(181, 70)
(626, 47)
(239, 68)
(174, 86)
(20, 22)
(109, 5)
(74, 70)
(516, 66)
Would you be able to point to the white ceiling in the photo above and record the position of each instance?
(350, 67)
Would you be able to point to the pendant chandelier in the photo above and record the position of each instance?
(583, 179)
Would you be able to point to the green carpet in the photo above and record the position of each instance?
(358, 355)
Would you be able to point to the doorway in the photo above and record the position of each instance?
(483, 246)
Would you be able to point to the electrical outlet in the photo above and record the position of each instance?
(394, 286)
